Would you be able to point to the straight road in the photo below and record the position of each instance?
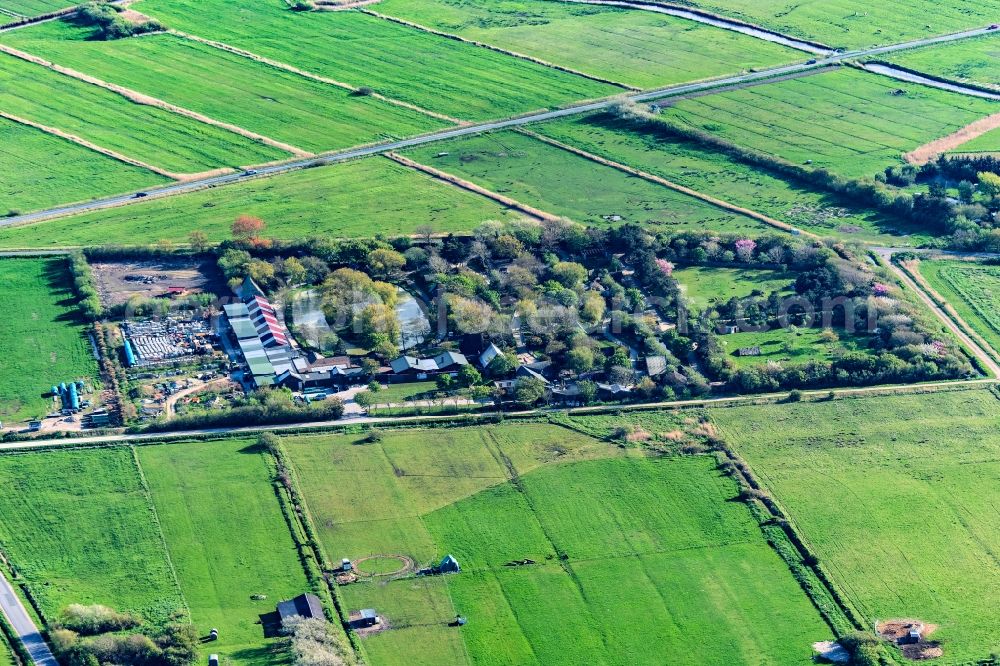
(23, 625)
(670, 92)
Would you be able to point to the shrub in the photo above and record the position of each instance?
(96, 619)
(363, 91)
(314, 643)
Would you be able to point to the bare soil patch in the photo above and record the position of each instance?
(117, 282)
(897, 632)
(929, 151)
(406, 565)
(354, 619)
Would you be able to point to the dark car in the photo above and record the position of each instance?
(139, 195)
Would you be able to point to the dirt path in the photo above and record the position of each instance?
(277, 64)
(725, 205)
(139, 98)
(929, 151)
(472, 187)
(89, 145)
(171, 402)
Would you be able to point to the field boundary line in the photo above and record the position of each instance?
(498, 49)
(147, 100)
(472, 187)
(159, 527)
(925, 153)
(719, 203)
(72, 138)
(277, 64)
(913, 271)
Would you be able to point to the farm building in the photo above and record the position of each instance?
(304, 605)
(449, 565)
(411, 366)
(369, 618)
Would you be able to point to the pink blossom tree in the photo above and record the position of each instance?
(745, 248)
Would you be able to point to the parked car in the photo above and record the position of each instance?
(139, 195)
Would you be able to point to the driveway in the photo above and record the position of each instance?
(23, 625)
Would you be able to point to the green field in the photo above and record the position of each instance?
(359, 198)
(897, 496)
(858, 23)
(708, 285)
(293, 109)
(146, 133)
(785, 346)
(43, 340)
(52, 171)
(984, 143)
(227, 539)
(79, 527)
(638, 48)
(6, 655)
(973, 290)
(403, 392)
(611, 534)
(715, 174)
(968, 60)
(559, 182)
(848, 121)
(11, 9)
(435, 73)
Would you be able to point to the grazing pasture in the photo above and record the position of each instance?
(858, 23)
(281, 105)
(967, 61)
(79, 527)
(973, 290)
(42, 170)
(897, 497)
(552, 179)
(984, 143)
(702, 286)
(154, 136)
(43, 339)
(851, 122)
(10, 10)
(436, 73)
(599, 531)
(716, 175)
(638, 48)
(359, 198)
(790, 346)
(227, 539)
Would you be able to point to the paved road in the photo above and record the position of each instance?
(23, 625)
(985, 358)
(677, 91)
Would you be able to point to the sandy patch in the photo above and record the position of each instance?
(929, 151)
(896, 631)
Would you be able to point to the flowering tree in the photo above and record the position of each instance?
(665, 267)
(880, 289)
(745, 248)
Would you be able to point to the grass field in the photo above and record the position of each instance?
(11, 9)
(984, 143)
(293, 109)
(786, 346)
(43, 340)
(848, 121)
(79, 527)
(968, 60)
(435, 73)
(637, 48)
(898, 498)
(973, 290)
(146, 133)
(404, 392)
(227, 539)
(559, 182)
(360, 198)
(609, 530)
(716, 175)
(6, 655)
(707, 285)
(857, 23)
(50, 170)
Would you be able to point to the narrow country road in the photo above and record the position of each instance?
(23, 625)
(947, 320)
(675, 91)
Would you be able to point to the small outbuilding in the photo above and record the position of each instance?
(449, 565)
(304, 605)
(369, 618)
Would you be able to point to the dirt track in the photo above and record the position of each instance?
(929, 151)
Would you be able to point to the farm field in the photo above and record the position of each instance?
(10, 10)
(227, 540)
(897, 497)
(552, 179)
(717, 175)
(706, 285)
(984, 143)
(638, 48)
(443, 75)
(970, 60)
(608, 530)
(152, 135)
(851, 122)
(79, 527)
(358, 198)
(287, 107)
(856, 23)
(973, 290)
(790, 346)
(51, 170)
(43, 340)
